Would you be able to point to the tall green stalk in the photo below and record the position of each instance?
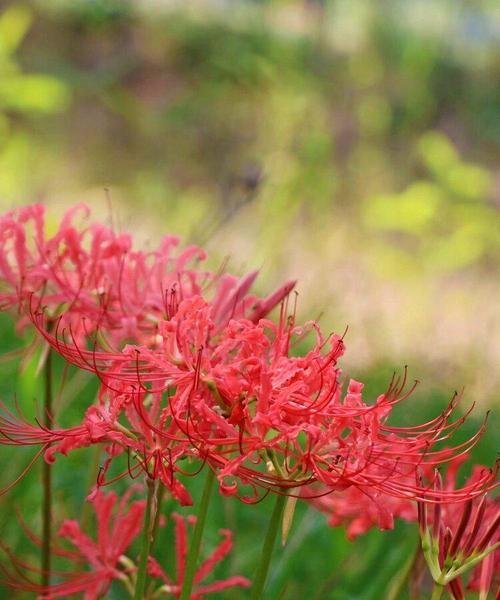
(140, 584)
(160, 492)
(267, 550)
(92, 478)
(46, 558)
(437, 592)
(194, 547)
(400, 581)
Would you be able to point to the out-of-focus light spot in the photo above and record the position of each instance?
(436, 151)
(410, 212)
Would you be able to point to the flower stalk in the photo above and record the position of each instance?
(46, 557)
(145, 541)
(400, 581)
(194, 548)
(437, 592)
(259, 581)
(160, 493)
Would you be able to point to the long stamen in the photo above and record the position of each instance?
(47, 477)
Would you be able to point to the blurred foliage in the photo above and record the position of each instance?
(22, 95)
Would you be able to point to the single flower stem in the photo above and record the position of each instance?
(400, 581)
(47, 477)
(437, 592)
(145, 541)
(92, 478)
(267, 550)
(160, 492)
(194, 547)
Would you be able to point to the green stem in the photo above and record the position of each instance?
(400, 582)
(160, 492)
(194, 547)
(437, 592)
(47, 478)
(267, 550)
(145, 541)
(92, 478)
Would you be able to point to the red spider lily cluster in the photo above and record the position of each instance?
(92, 279)
(241, 402)
(192, 370)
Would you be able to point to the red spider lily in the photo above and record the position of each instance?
(174, 586)
(261, 416)
(117, 527)
(96, 279)
(118, 524)
(97, 284)
(457, 538)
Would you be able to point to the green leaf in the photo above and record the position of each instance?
(33, 93)
(14, 24)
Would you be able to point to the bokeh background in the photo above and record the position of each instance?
(350, 144)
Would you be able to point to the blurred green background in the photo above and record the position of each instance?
(350, 144)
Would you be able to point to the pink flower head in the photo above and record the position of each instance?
(117, 527)
(93, 279)
(261, 416)
(174, 585)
